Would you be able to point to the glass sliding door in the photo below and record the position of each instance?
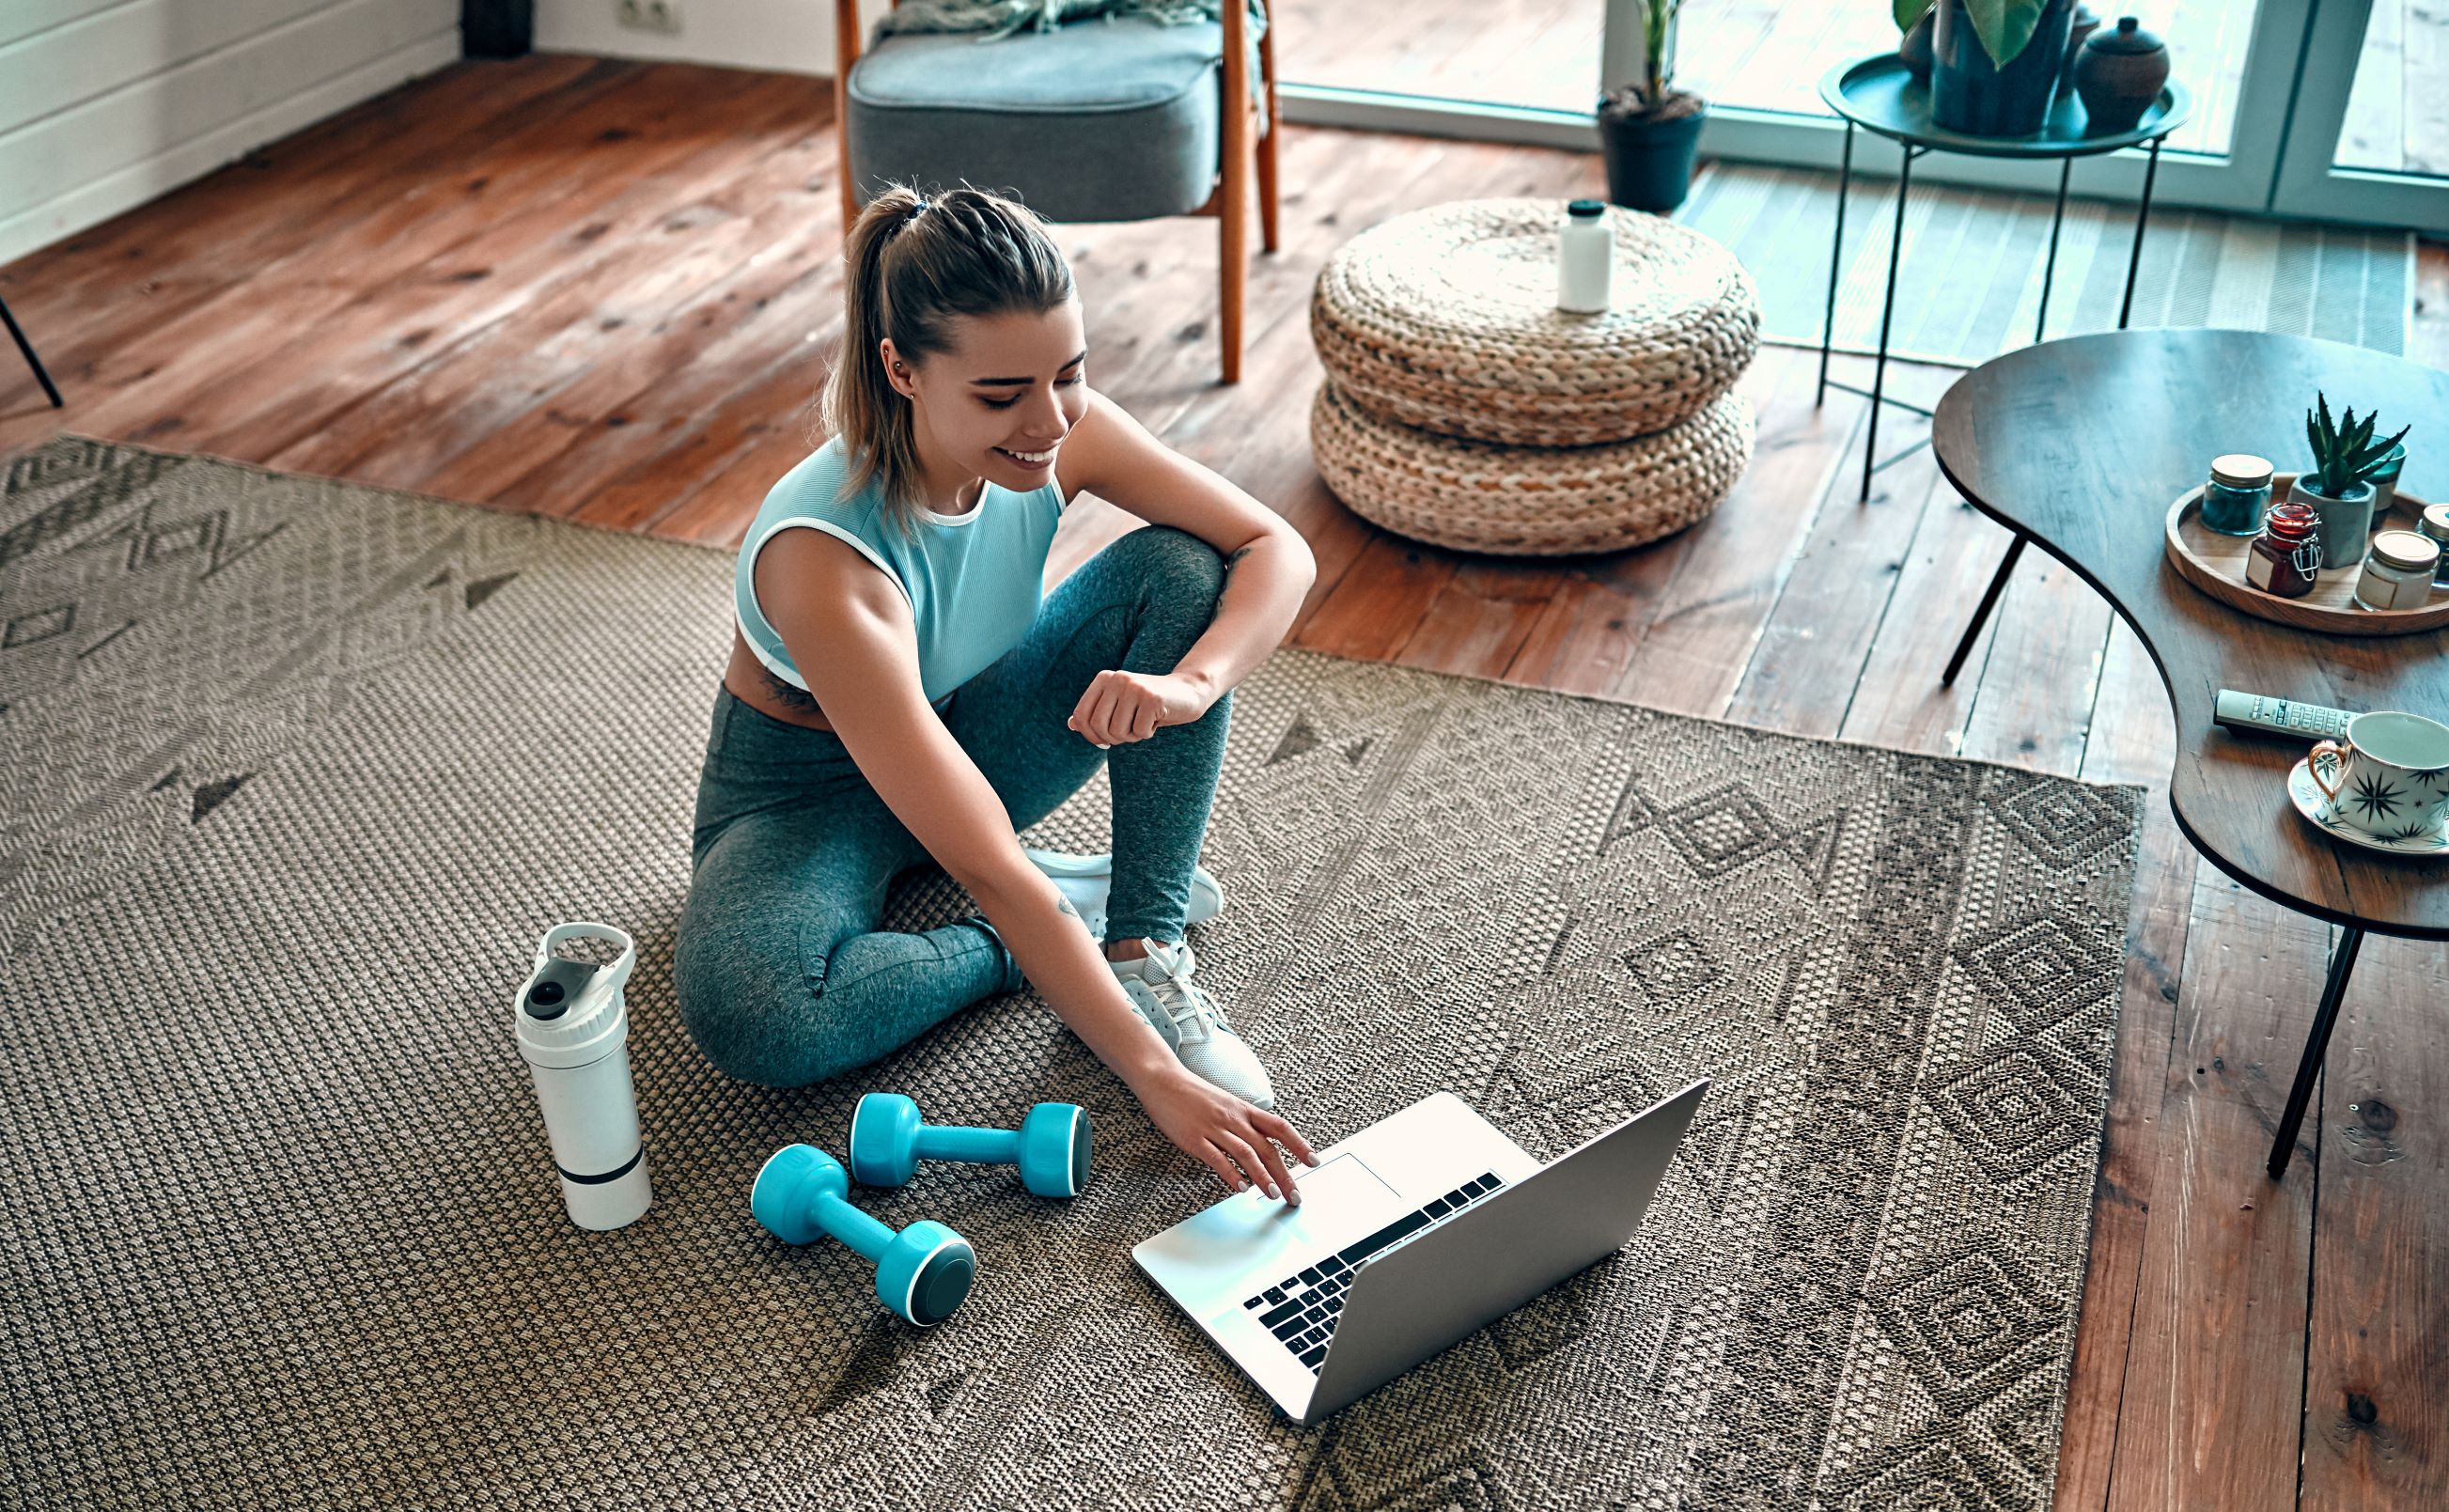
(1525, 55)
(1759, 62)
(2369, 139)
(1493, 70)
(2324, 110)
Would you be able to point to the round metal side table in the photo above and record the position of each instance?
(1878, 95)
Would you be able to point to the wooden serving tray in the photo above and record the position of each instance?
(2215, 564)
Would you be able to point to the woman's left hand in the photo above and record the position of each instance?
(1122, 706)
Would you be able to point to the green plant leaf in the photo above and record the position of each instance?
(1910, 11)
(2005, 26)
(2333, 447)
(2368, 461)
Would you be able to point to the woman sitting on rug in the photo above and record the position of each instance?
(897, 694)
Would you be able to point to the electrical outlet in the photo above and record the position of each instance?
(648, 15)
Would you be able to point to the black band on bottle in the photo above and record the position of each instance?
(627, 1166)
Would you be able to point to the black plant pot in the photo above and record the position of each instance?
(1969, 93)
(1650, 160)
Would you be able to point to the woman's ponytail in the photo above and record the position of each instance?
(911, 263)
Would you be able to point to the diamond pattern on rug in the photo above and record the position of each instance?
(2042, 970)
(2010, 1114)
(2065, 824)
(1965, 1325)
(1721, 829)
(263, 1188)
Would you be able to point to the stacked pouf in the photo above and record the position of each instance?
(1462, 408)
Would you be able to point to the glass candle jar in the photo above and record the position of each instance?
(2397, 575)
(2237, 494)
(2286, 556)
(2435, 527)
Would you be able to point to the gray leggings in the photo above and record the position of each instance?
(784, 978)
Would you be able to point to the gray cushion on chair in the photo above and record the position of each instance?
(1097, 121)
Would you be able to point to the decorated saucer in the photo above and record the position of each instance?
(2415, 840)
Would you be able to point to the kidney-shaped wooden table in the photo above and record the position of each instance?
(2079, 446)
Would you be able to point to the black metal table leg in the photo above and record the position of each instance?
(2142, 217)
(2049, 269)
(1887, 314)
(1981, 615)
(2343, 965)
(32, 361)
(1836, 253)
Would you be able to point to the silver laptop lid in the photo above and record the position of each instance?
(1434, 1289)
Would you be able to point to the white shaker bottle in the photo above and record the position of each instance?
(1585, 258)
(574, 1029)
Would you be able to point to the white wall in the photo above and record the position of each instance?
(789, 36)
(107, 104)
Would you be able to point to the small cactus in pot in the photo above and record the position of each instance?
(2338, 484)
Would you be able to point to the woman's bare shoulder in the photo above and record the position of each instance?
(804, 571)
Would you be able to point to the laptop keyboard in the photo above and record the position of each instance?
(1300, 1310)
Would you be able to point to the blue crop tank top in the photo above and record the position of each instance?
(974, 581)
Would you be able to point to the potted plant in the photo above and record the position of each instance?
(1649, 131)
(1995, 64)
(2340, 484)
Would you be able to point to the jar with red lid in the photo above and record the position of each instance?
(2286, 556)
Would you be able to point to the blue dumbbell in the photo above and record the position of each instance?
(887, 1141)
(922, 1272)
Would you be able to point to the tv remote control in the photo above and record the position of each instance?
(2278, 716)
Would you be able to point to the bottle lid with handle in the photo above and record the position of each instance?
(570, 1012)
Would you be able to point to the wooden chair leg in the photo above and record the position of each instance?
(1233, 241)
(1267, 143)
(1234, 263)
(1268, 239)
(842, 143)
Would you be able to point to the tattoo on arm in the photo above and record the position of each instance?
(1235, 560)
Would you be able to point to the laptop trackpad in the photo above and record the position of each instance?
(1343, 1183)
(1250, 1240)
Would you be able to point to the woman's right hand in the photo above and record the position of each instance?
(1229, 1137)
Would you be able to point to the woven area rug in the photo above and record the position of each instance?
(298, 772)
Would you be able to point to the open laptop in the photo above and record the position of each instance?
(1410, 1234)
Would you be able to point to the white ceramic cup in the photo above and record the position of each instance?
(2389, 778)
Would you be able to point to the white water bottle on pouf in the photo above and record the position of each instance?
(574, 1029)
(1585, 257)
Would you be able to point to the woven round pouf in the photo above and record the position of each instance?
(1528, 500)
(1446, 319)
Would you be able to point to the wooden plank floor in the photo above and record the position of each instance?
(603, 290)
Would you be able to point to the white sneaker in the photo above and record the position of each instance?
(1177, 1008)
(1086, 879)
